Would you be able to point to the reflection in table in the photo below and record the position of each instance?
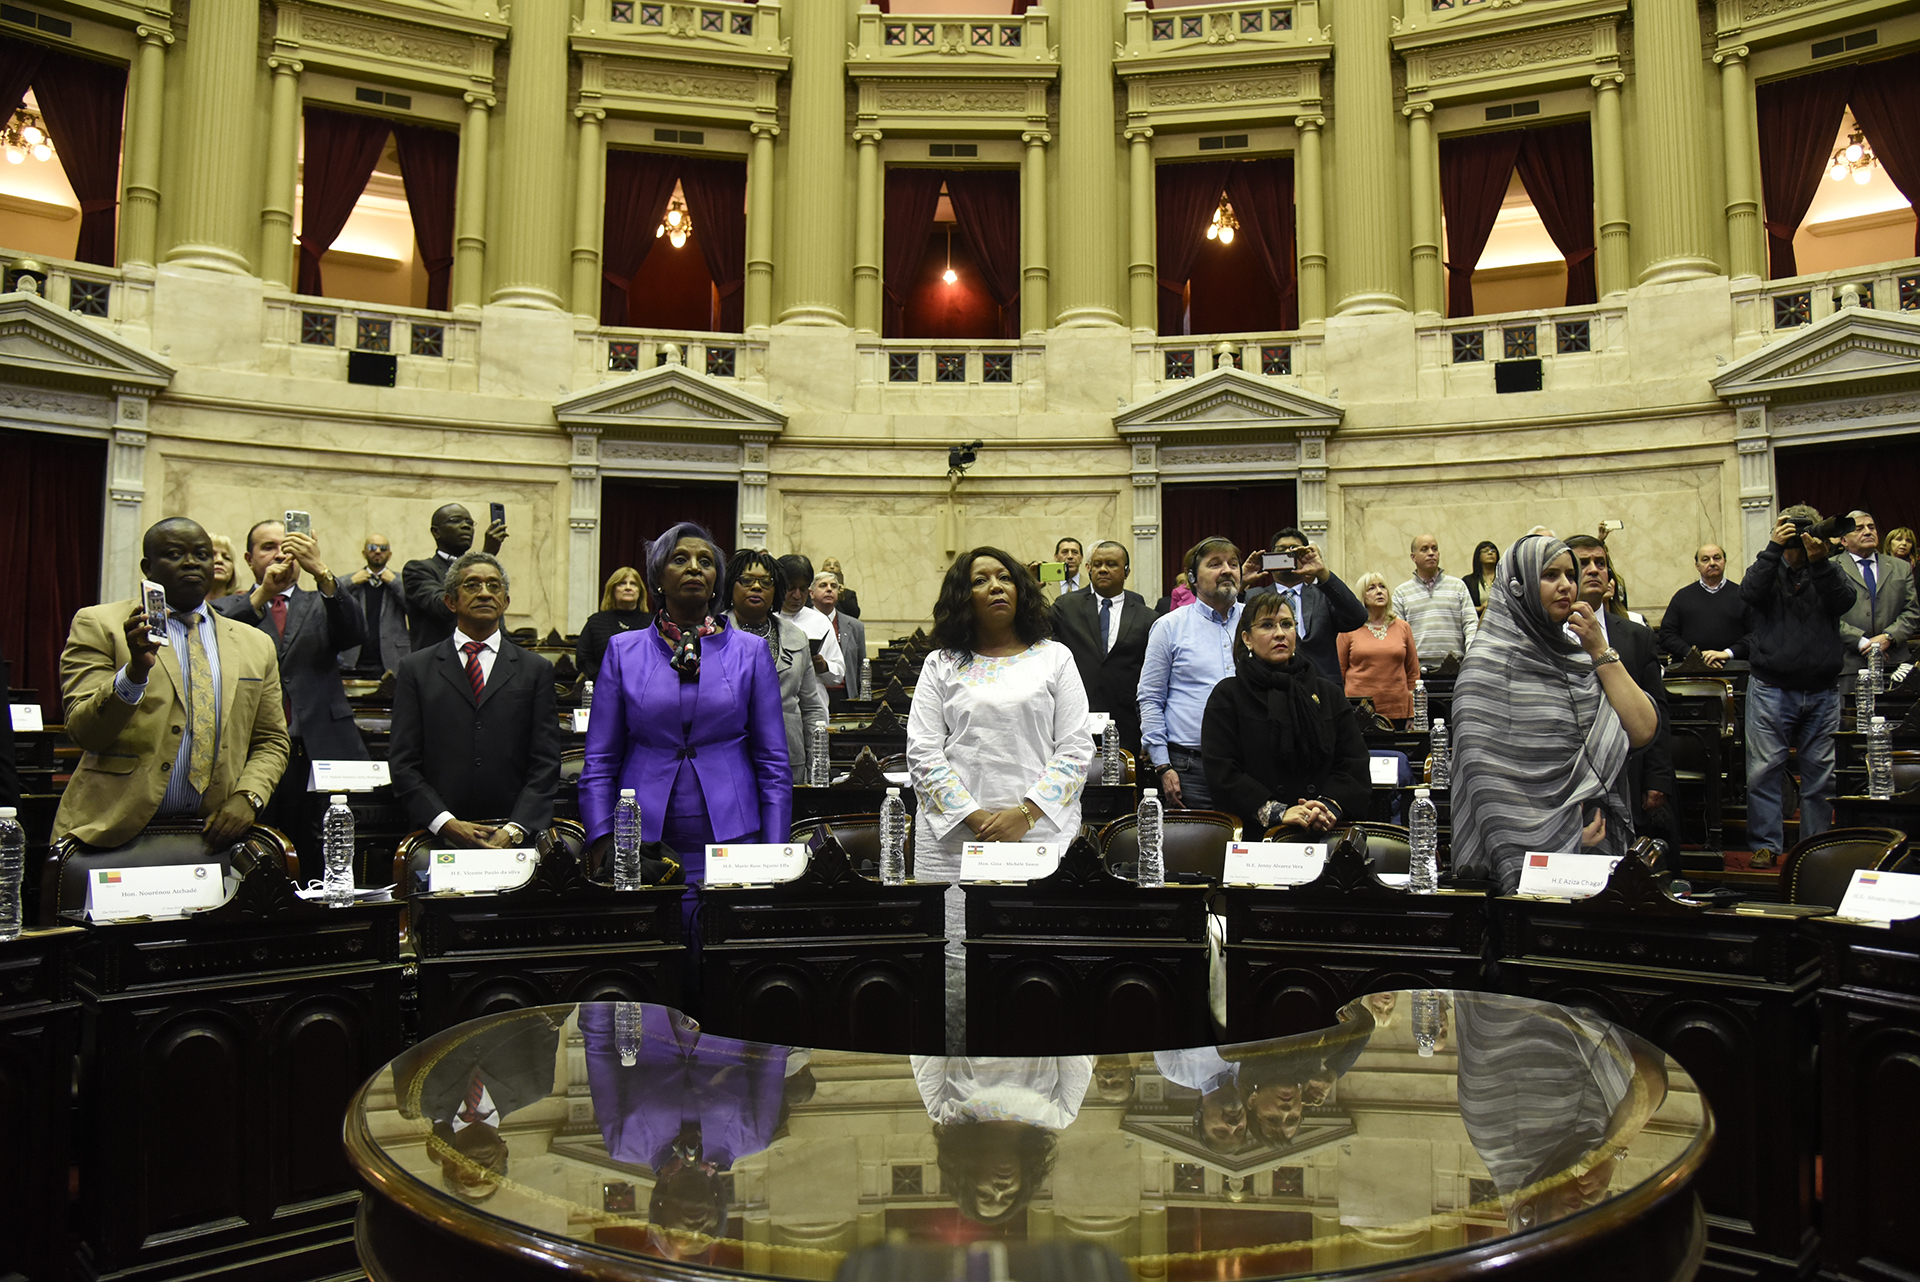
(1468, 1130)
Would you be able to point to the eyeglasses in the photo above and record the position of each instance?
(753, 581)
(378, 547)
(482, 585)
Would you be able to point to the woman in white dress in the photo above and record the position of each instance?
(997, 742)
(994, 1120)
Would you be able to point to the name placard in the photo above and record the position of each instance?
(580, 718)
(1565, 876)
(1882, 896)
(480, 871)
(1384, 770)
(348, 776)
(1008, 860)
(173, 890)
(26, 717)
(1097, 723)
(749, 863)
(1273, 863)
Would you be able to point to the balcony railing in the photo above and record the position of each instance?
(1575, 346)
(98, 293)
(711, 26)
(1766, 310)
(1293, 357)
(901, 363)
(1153, 33)
(609, 353)
(314, 338)
(977, 40)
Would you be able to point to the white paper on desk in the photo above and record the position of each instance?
(1384, 770)
(1273, 863)
(1565, 876)
(171, 890)
(580, 718)
(1008, 860)
(747, 863)
(479, 871)
(1882, 896)
(26, 717)
(348, 776)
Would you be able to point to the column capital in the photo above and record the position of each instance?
(1314, 122)
(763, 129)
(154, 35)
(1037, 137)
(584, 112)
(1609, 80)
(1413, 109)
(868, 135)
(1738, 53)
(484, 101)
(1139, 133)
(285, 65)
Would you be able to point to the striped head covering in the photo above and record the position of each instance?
(1534, 738)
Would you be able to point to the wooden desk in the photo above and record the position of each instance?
(39, 1023)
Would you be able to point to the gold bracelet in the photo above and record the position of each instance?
(1031, 818)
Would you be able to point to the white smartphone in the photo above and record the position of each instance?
(299, 522)
(153, 600)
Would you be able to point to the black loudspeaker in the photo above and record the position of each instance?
(376, 369)
(1508, 376)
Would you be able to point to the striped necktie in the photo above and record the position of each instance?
(475, 677)
(199, 708)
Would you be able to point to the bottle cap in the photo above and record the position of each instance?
(8, 812)
(1439, 723)
(893, 792)
(337, 800)
(1421, 792)
(1147, 792)
(1419, 683)
(625, 793)
(1879, 721)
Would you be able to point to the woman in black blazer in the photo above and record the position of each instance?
(1280, 742)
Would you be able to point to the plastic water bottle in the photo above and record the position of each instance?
(1877, 665)
(893, 839)
(626, 1032)
(1880, 759)
(819, 757)
(13, 866)
(1111, 771)
(1423, 827)
(1419, 721)
(336, 845)
(626, 841)
(1863, 700)
(1442, 759)
(866, 677)
(1426, 1021)
(1153, 869)
(586, 694)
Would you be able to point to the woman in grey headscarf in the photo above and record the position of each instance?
(1544, 714)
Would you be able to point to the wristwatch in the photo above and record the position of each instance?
(1606, 656)
(253, 799)
(519, 833)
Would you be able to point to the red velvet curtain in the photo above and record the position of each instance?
(1247, 514)
(634, 512)
(913, 197)
(341, 150)
(19, 60)
(49, 552)
(1797, 118)
(716, 192)
(430, 168)
(1185, 196)
(1474, 172)
(1886, 106)
(1262, 196)
(1556, 164)
(1881, 477)
(639, 188)
(986, 204)
(84, 104)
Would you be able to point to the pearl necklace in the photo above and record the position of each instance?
(1379, 630)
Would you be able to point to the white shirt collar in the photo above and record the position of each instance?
(1713, 587)
(460, 640)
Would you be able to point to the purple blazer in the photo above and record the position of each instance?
(738, 743)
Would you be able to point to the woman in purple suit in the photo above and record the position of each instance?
(687, 714)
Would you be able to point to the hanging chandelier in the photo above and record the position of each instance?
(950, 276)
(677, 225)
(25, 136)
(1856, 159)
(1224, 224)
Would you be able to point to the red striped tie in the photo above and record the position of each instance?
(478, 678)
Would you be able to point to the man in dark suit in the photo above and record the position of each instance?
(1106, 628)
(384, 602)
(309, 630)
(849, 632)
(1650, 781)
(428, 620)
(1886, 611)
(475, 735)
(1323, 606)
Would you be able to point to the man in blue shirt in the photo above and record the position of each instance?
(1188, 652)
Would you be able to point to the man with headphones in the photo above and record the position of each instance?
(1189, 651)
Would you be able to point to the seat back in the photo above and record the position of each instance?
(1191, 841)
(1700, 701)
(858, 835)
(63, 888)
(1389, 846)
(572, 762)
(1819, 869)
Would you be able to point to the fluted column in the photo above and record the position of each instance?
(214, 222)
(1429, 295)
(470, 217)
(1670, 85)
(1142, 288)
(869, 200)
(1364, 198)
(140, 215)
(816, 189)
(758, 305)
(588, 213)
(528, 250)
(1034, 316)
(1309, 213)
(1746, 246)
(1614, 255)
(1084, 284)
(283, 154)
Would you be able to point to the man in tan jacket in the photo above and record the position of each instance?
(192, 728)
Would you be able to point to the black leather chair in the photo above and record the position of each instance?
(1191, 842)
(858, 835)
(410, 857)
(1819, 869)
(63, 885)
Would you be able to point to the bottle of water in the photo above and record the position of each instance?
(1419, 721)
(1877, 665)
(336, 844)
(586, 694)
(1153, 869)
(1442, 759)
(1880, 759)
(1863, 700)
(819, 757)
(1111, 771)
(866, 677)
(626, 841)
(1423, 827)
(626, 1032)
(893, 839)
(1426, 1021)
(13, 867)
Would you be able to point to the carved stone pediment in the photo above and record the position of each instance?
(47, 346)
(672, 401)
(1226, 405)
(1855, 352)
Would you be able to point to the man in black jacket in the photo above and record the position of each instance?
(429, 622)
(1796, 595)
(1323, 606)
(1106, 629)
(1707, 614)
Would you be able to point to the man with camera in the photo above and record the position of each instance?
(1796, 596)
(1435, 604)
(1323, 606)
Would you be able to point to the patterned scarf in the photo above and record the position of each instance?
(686, 649)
